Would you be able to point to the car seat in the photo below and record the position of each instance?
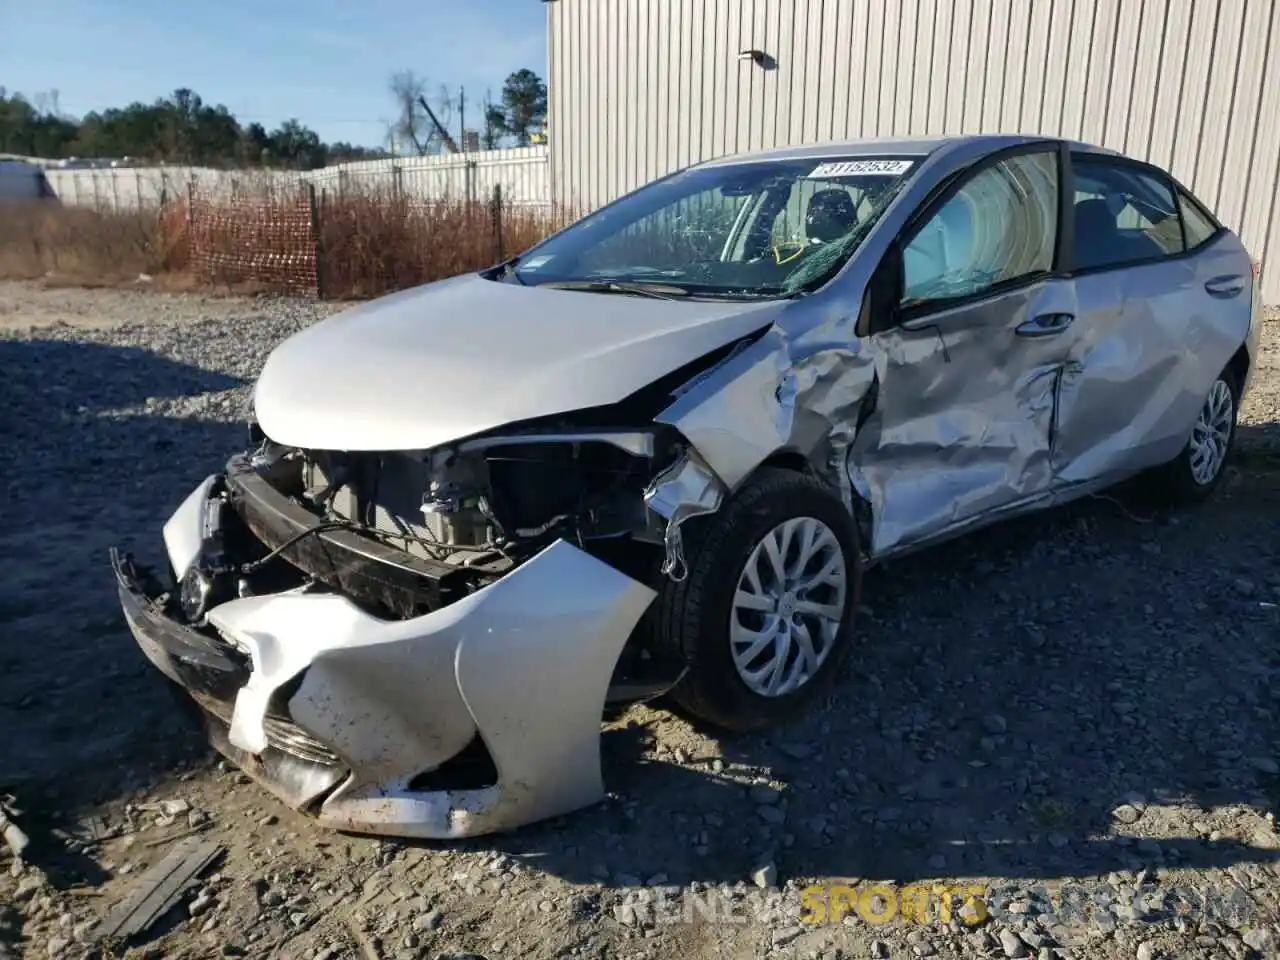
(1099, 239)
(830, 215)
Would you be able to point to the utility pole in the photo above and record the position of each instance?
(462, 118)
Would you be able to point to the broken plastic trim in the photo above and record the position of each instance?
(686, 489)
(638, 443)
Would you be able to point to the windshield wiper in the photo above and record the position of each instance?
(658, 291)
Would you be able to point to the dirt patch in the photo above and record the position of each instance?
(1074, 713)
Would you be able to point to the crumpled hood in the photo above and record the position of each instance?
(451, 359)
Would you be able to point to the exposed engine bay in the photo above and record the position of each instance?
(403, 534)
(314, 586)
(489, 504)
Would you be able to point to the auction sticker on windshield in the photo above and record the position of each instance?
(860, 168)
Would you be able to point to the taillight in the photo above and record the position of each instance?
(1257, 271)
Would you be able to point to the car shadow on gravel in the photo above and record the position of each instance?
(1065, 695)
(86, 718)
(1258, 442)
(68, 377)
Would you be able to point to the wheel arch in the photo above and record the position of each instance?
(1238, 366)
(786, 459)
(796, 462)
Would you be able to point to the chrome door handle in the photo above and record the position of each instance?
(1224, 287)
(1045, 325)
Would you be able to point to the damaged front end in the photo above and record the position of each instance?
(423, 643)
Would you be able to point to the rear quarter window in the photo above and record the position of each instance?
(1198, 224)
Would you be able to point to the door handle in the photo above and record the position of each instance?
(1224, 287)
(1045, 325)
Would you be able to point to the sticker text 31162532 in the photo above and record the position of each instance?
(860, 168)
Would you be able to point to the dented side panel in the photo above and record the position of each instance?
(1151, 343)
(962, 423)
(799, 394)
(965, 416)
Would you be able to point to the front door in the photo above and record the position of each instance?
(966, 406)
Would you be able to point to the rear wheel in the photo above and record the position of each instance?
(1198, 469)
(763, 620)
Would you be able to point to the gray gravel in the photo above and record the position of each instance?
(1075, 714)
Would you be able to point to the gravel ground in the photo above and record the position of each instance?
(1074, 714)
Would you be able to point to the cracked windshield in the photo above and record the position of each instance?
(743, 231)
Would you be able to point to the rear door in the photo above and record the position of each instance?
(1157, 282)
(965, 410)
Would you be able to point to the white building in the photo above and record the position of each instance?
(642, 87)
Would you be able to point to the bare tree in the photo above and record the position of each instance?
(411, 128)
(46, 103)
(445, 105)
(390, 136)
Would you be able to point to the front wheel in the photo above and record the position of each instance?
(1198, 469)
(763, 620)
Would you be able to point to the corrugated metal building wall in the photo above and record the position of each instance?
(642, 87)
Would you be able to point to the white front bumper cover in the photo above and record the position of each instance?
(524, 662)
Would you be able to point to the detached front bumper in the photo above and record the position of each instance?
(348, 716)
(293, 766)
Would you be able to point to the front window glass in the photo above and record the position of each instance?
(749, 230)
(1000, 226)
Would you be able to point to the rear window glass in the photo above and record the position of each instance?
(1123, 214)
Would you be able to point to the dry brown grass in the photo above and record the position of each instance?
(374, 242)
(369, 242)
(83, 246)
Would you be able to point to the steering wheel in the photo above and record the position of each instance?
(780, 256)
(784, 252)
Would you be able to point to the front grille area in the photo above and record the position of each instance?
(282, 734)
(292, 739)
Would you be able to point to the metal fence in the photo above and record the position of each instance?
(522, 173)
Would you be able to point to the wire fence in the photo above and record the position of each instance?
(310, 241)
(269, 241)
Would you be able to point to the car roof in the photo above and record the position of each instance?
(896, 146)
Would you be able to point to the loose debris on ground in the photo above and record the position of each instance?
(159, 889)
(1070, 722)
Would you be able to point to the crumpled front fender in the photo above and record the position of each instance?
(798, 395)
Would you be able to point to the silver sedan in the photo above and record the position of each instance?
(654, 454)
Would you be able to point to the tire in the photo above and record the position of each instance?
(697, 615)
(1186, 479)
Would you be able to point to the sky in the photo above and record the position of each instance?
(325, 62)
